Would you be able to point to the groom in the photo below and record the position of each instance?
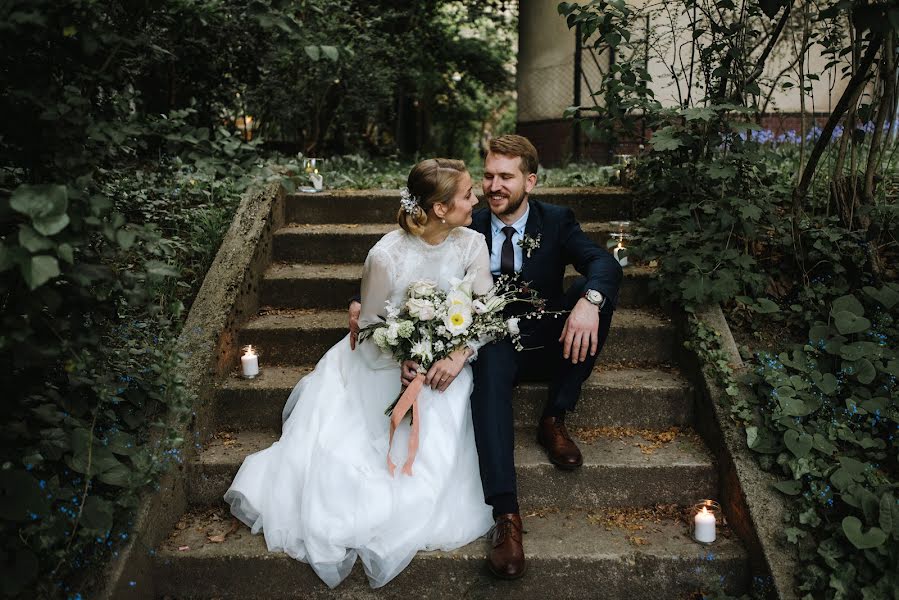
(536, 241)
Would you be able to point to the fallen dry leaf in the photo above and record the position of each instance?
(637, 541)
(542, 512)
(216, 539)
(183, 548)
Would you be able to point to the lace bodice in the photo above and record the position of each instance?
(399, 258)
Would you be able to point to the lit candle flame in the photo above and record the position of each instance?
(248, 351)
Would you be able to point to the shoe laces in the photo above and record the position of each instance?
(503, 528)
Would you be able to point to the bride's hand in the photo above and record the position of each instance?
(408, 371)
(444, 371)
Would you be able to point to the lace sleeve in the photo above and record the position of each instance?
(483, 281)
(376, 282)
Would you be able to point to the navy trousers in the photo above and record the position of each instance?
(499, 367)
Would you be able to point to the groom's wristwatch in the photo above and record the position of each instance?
(595, 298)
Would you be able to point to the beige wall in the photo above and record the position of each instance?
(545, 70)
(546, 65)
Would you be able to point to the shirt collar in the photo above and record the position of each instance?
(518, 225)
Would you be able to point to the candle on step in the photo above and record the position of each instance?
(704, 525)
(317, 179)
(249, 362)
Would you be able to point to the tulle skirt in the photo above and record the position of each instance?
(323, 494)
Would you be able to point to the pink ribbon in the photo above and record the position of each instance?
(409, 400)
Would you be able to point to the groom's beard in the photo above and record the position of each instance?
(514, 203)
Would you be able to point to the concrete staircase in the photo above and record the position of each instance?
(616, 528)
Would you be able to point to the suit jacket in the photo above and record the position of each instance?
(562, 243)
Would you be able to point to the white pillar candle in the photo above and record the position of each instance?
(704, 526)
(317, 180)
(250, 363)
(619, 255)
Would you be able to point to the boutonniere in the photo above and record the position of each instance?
(529, 244)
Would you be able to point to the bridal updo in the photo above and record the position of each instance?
(432, 181)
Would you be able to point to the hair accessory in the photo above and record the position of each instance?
(408, 202)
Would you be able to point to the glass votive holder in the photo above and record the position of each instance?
(249, 363)
(312, 170)
(705, 515)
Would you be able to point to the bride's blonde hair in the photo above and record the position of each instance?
(432, 181)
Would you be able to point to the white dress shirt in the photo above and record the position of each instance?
(499, 238)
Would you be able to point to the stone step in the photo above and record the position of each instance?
(299, 285)
(570, 555)
(380, 206)
(350, 242)
(619, 470)
(639, 398)
(298, 337)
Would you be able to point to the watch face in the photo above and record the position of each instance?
(594, 296)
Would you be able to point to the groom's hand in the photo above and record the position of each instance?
(581, 332)
(355, 311)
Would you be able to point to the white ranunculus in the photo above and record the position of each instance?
(512, 326)
(423, 289)
(421, 308)
(457, 320)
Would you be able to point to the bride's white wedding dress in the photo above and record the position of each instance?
(322, 493)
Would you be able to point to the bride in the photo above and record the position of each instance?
(322, 493)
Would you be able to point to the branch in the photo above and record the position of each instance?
(775, 35)
(859, 79)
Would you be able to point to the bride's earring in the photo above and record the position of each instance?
(443, 221)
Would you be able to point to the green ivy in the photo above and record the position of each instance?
(826, 415)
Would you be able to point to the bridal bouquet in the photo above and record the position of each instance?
(432, 323)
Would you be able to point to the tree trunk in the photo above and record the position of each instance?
(858, 79)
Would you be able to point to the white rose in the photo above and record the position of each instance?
(420, 308)
(422, 289)
(512, 326)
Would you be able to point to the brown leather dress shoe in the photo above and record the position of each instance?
(506, 557)
(561, 449)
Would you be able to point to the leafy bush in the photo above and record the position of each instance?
(713, 201)
(826, 414)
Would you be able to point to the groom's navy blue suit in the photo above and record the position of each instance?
(499, 366)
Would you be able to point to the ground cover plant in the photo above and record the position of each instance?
(794, 233)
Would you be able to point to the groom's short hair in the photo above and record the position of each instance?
(517, 145)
